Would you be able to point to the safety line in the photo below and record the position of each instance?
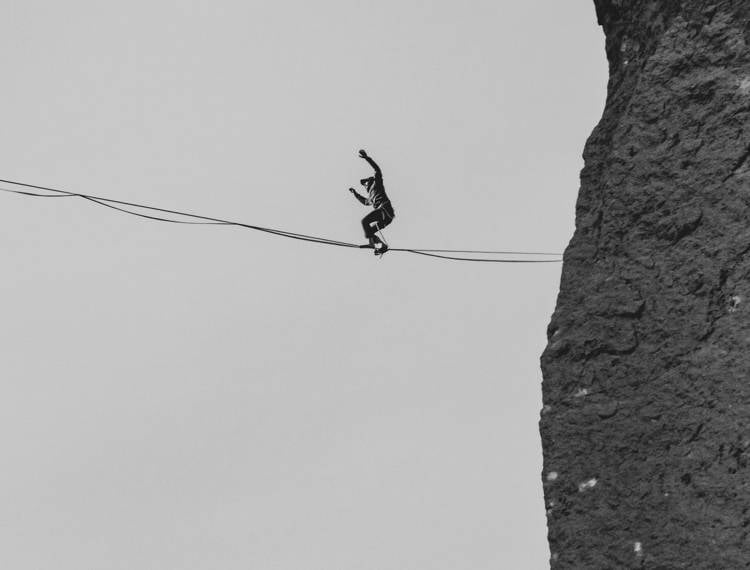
(479, 259)
(478, 251)
(39, 195)
(206, 220)
(157, 218)
(283, 233)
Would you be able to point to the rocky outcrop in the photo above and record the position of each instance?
(646, 419)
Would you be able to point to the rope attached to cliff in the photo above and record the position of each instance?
(197, 219)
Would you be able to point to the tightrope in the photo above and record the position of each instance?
(198, 219)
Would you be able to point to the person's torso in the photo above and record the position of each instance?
(377, 195)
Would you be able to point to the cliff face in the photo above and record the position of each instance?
(646, 419)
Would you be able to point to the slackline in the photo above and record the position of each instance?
(197, 219)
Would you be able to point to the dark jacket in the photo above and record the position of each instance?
(376, 196)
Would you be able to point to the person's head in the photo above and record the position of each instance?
(367, 182)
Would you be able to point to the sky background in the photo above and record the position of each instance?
(193, 398)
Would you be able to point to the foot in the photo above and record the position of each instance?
(374, 241)
(381, 250)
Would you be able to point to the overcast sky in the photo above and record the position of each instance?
(200, 398)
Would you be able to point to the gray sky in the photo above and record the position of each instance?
(178, 397)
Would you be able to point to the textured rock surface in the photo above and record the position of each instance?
(646, 419)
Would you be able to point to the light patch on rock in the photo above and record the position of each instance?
(586, 485)
(734, 303)
(552, 476)
(546, 409)
(745, 86)
(638, 549)
(581, 393)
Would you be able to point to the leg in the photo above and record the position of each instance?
(370, 223)
(386, 216)
(376, 220)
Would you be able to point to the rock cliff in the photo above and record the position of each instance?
(646, 419)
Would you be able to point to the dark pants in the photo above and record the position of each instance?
(382, 217)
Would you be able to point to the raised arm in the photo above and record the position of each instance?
(372, 163)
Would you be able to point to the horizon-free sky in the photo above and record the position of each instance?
(200, 398)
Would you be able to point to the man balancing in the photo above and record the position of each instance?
(383, 213)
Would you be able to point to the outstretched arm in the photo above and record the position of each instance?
(371, 162)
(359, 197)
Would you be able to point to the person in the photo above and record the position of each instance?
(383, 212)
